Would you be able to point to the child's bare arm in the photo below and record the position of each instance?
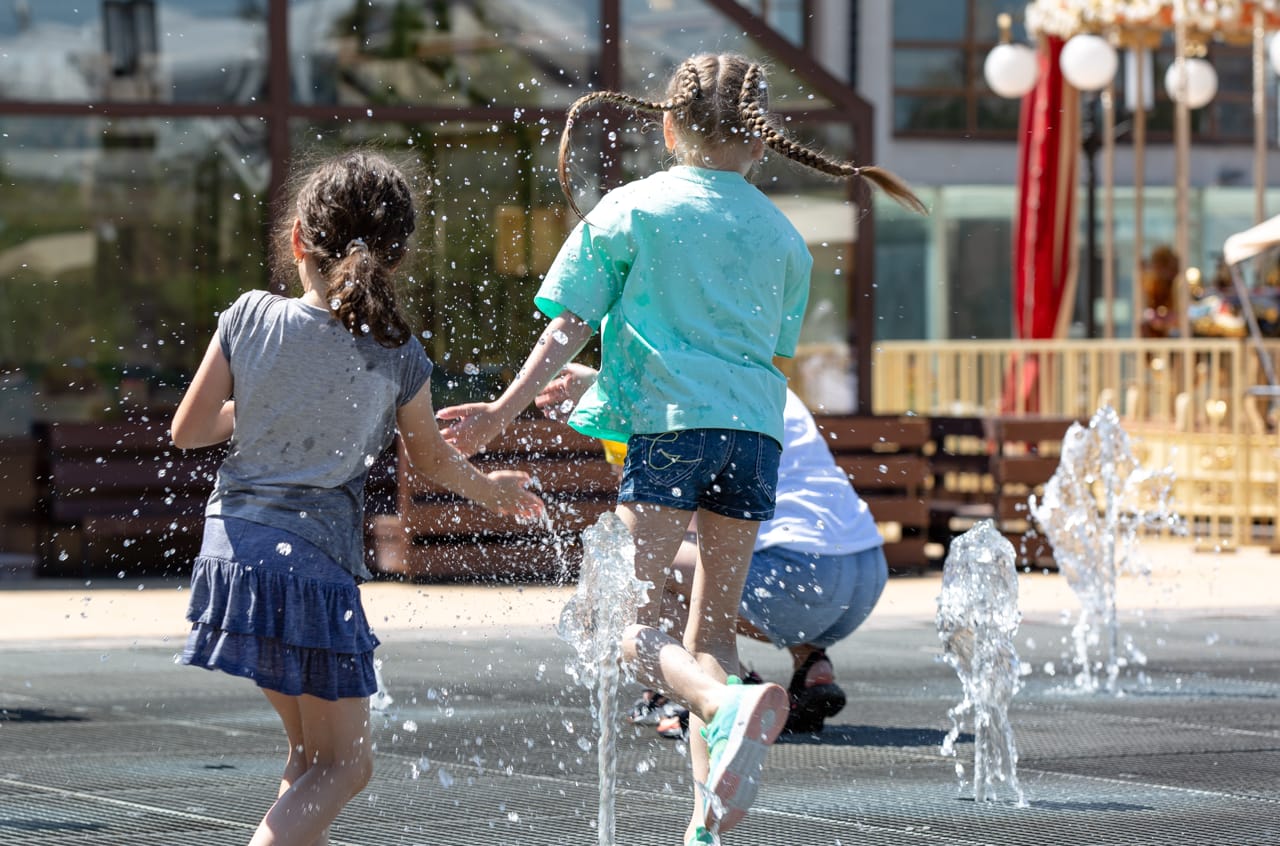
(206, 415)
(430, 457)
(475, 424)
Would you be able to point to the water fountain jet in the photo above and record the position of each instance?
(977, 619)
(603, 605)
(1091, 512)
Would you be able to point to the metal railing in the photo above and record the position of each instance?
(1199, 405)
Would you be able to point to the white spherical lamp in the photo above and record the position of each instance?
(1010, 70)
(1202, 82)
(1088, 62)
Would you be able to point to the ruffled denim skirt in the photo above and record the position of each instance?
(269, 606)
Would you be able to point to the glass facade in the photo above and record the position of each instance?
(966, 243)
(120, 239)
(156, 51)
(145, 142)
(389, 53)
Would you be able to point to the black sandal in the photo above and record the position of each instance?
(647, 710)
(811, 705)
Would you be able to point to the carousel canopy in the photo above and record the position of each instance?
(1227, 19)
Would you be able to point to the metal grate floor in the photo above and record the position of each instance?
(482, 745)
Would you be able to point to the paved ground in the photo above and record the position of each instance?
(104, 740)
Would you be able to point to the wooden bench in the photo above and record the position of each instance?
(986, 468)
(1025, 452)
(118, 495)
(960, 495)
(437, 536)
(17, 507)
(885, 460)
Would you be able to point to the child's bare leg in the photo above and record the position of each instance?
(339, 757)
(659, 659)
(724, 557)
(296, 764)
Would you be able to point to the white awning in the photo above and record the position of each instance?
(1247, 244)
(821, 221)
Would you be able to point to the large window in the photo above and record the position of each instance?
(147, 141)
(120, 239)
(162, 51)
(938, 50)
(939, 47)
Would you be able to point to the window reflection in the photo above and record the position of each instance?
(491, 219)
(480, 53)
(119, 242)
(180, 51)
(661, 35)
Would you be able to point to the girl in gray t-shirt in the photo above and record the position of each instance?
(309, 391)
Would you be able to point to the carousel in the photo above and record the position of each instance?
(1077, 52)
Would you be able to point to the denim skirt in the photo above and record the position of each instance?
(271, 607)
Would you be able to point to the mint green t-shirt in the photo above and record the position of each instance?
(695, 281)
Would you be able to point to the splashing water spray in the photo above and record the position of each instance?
(604, 604)
(977, 619)
(1091, 512)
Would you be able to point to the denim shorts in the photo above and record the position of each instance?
(797, 597)
(726, 471)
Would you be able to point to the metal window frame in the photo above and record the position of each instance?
(278, 109)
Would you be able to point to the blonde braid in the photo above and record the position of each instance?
(758, 122)
(688, 89)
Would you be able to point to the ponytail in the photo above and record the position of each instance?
(361, 297)
(760, 123)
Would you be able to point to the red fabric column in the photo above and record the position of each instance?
(1044, 241)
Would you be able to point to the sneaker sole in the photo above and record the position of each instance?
(761, 715)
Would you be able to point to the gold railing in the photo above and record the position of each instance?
(1194, 405)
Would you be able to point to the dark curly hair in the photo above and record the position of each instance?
(356, 212)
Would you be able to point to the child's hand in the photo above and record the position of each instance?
(559, 397)
(513, 498)
(474, 425)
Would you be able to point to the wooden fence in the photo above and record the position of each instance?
(1200, 406)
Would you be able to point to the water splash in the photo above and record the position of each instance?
(977, 619)
(604, 604)
(1091, 513)
(381, 699)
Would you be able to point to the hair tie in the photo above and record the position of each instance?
(356, 244)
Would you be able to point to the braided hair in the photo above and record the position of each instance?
(721, 99)
(356, 213)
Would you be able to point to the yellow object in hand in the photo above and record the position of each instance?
(614, 452)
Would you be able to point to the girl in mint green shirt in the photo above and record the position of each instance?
(695, 281)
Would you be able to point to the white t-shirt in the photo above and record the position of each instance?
(817, 510)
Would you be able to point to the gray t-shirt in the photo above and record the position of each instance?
(315, 407)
